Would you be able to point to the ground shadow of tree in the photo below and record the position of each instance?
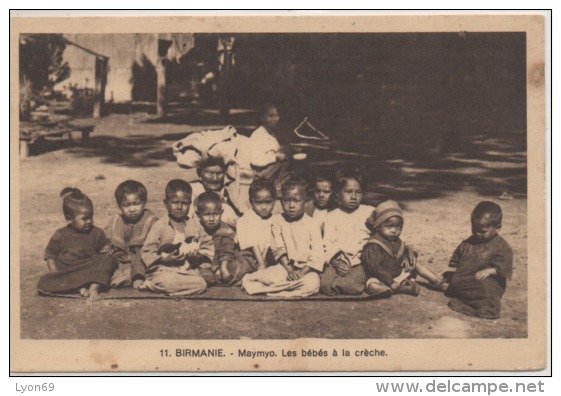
(487, 164)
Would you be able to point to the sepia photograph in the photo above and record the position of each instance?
(349, 193)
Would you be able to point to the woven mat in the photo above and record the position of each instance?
(213, 293)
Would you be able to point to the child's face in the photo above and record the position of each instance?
(350, 195)
(210, 215)
(271, 118)
(391, 228)
(293, 202)
(82, 219)
(262, 203)
(483, 228)
(322, 193)
(132, 207)
(177, 205)
(212, 178)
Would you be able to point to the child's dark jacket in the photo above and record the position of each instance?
(382, 259)
(475, 297)
(474, 255)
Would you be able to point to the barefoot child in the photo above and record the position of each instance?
(322, 201)
(388, 262)
(297, 248)
(127, 231)
(254, 229)
(75, 254)
(345, 233)
(483, 263)
(169, 270)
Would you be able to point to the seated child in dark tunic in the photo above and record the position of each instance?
(127, 231)
(388, 262)
(76, 254)
(218, 266)
(483, 263)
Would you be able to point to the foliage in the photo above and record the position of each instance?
(40, 60)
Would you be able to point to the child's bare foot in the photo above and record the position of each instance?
(439, 286)
(137, 284)
(94, 295)
(84, 292)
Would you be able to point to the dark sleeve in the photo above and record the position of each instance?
(371, 258)
(138, 269)
(224, 246)
(502, 261)
(54, 247)
(458, 254)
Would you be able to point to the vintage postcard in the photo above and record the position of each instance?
(277, 193)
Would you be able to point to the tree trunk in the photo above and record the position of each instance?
(100, 83)
(25, 105)
(161, 101)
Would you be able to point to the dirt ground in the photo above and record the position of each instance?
(437, 190)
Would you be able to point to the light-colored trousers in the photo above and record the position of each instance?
(272, 282)
(175, 281)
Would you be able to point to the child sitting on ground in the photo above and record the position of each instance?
(483, 263)
(76, 254)
(345, 233)
(171, 243)
(322, 200)
(212, 177)
(388, 262)
(220, 264)
(127, 231)
(254, 229)
(296, 246)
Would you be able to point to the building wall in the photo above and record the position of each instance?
(132, 61)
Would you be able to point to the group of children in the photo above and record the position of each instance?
(324, 240)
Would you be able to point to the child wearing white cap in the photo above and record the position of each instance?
(389, 264)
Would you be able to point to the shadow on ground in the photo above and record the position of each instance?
(398, 162)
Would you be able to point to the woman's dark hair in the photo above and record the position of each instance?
(208, 162)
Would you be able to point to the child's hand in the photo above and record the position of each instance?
(107, 249)
(485, 273)
(411, 261)
(294, 275)
(291, 273)
(341, 267)
(137, 283)
(394, 286)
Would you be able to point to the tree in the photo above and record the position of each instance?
(41, 65)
